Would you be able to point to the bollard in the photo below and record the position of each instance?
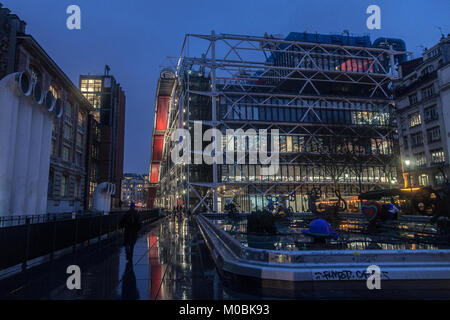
(27, 244)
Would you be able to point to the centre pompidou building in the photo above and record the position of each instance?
(328, 96)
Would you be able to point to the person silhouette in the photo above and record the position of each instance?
(129, 287)
(131, 225)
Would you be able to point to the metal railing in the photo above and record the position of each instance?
(228, 242)
(37, 218)
(31, 237)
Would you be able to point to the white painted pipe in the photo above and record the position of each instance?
(36, 146)
(102, 197)
(12, 88)
(44, 169)
(22, 150)
(9, 103)
(46, 142)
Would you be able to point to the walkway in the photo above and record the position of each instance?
(171, 261)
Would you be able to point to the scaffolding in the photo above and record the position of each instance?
(330, 100)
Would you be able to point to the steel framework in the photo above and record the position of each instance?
(334, 100)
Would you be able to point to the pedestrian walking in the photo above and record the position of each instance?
(131, 224)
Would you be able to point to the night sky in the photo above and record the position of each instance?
(135, 36)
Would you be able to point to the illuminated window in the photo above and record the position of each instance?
(423, 180)
(437, 156)
(415, 119)
(289, 143)
(91, 85)
(94, 99)
(54, 90)
(80, 118)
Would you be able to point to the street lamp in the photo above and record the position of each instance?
(407, 164)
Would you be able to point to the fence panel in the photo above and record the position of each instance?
(52, 233)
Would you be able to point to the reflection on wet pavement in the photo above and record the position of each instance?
(171, 261)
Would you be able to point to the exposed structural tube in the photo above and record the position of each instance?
(25, 140)
(51, 105)
(102, 197)
(33, 165)
(10, 90)
(23, 136)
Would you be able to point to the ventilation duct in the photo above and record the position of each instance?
(25, 141)
(102, 197)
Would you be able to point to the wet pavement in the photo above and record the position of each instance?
(171, 261)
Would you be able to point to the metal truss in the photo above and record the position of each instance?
(270, 72)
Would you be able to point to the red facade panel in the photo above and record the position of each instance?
(151, 197)
(163, 111)
(158, 141)
(154, 175)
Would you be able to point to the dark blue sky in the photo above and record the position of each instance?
(135, 36)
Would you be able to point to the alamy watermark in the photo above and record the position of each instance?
(238, 142)
(74, 280)
(374, 279)
(73, 22)
(374, 20)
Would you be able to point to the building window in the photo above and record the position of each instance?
(64, 185)
(430, 114)
(423, 180)
(434, 53)
(51, 178)
(415, 119)
(78, 159)
(91, 85)
(439, 178)
(427, 70)
(68, 110)
(434, 134)
(66, 153)
(413, 99)
(421, 159)
(416, 139)
(81, 118)
(67, 131)
(77, 189)
(427, 92)
(53, 148)
(54, 90)
(437, 156)
(80, 139)
(36, 76)
(405, 142)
